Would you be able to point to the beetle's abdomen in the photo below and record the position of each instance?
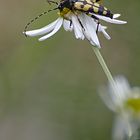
(104, 11)
(96, 8)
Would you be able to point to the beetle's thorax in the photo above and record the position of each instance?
(65, 7)
(66, 4)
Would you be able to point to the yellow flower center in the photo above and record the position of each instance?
(134, 104)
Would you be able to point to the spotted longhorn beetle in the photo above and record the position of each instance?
(86, 6)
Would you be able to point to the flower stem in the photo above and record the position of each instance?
(112, 82)
(107, 72)
(103, 65)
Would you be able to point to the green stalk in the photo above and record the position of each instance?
(107, 72)
(112, 82)
(103, 65)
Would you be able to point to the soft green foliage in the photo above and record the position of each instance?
(48, 90)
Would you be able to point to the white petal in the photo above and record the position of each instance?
(116, 15)
(114, 96)
(120, 91)
(107, 19)
(92, 43)
(120, 128)
(107, 98)
(77, 28)
(90, 29)
(123, 87)
(57, 27)
(102, 29)
(43, 30)
(67, 25)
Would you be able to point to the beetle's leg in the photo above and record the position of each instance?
(79, 20)
(97, 21)
(96, 18)
(70, 23)
(80, 23)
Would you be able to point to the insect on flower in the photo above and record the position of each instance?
(81, 16)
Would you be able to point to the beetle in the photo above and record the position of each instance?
(88, 7)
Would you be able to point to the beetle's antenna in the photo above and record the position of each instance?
(37, 17)
(51, 1)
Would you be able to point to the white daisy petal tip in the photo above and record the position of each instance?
(104, 27)
(27, 33)
(116, 15)
(97, 44)
(41, 39)
(106, 35)
(107, 19)
(120, 21)
(24, 33)
(30, 33)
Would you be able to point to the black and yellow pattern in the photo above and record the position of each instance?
(92, 7)
(86, 6)
(98, 1)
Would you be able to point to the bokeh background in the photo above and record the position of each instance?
(48, 90)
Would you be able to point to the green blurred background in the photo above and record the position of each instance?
(48, 90)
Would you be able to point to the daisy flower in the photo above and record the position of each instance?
(125, 102)
(84, 26)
